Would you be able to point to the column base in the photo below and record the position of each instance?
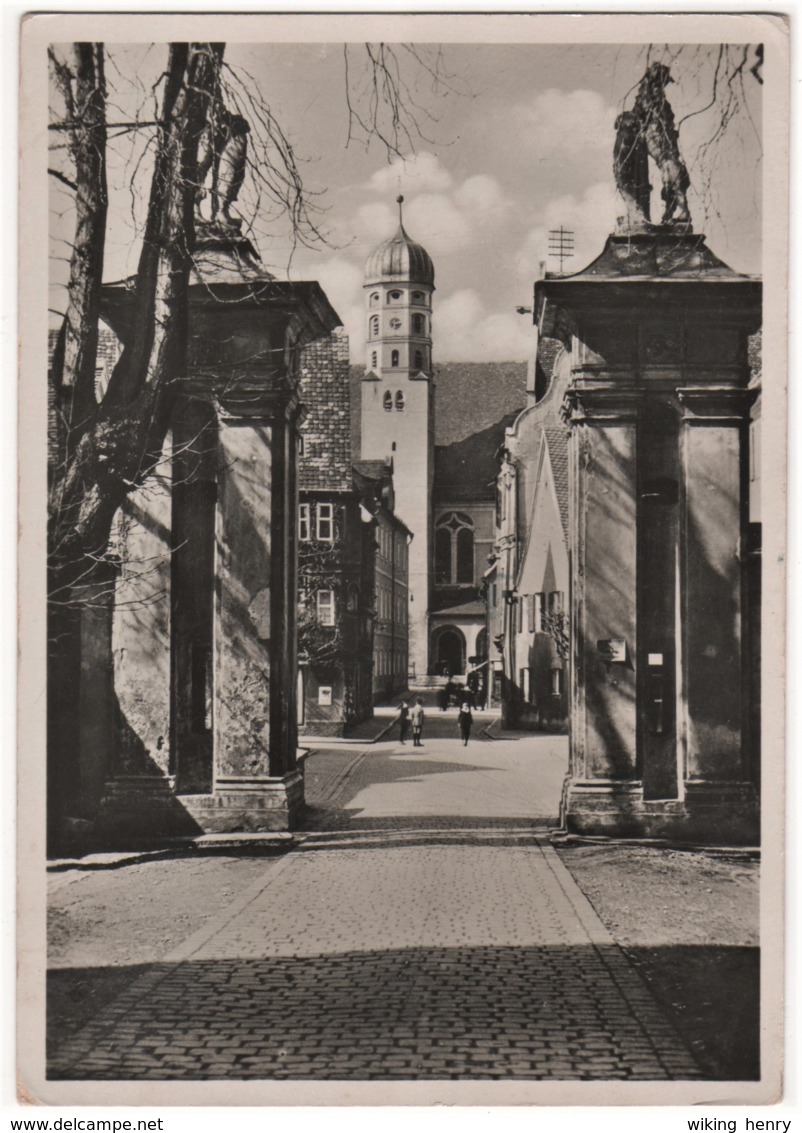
(249, 804)
(710, 813)
(138, 808)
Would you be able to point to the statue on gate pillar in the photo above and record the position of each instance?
(223, 151)
(649, 130)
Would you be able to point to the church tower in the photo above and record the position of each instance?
(398, 404)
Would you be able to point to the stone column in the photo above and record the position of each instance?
(658, 406)
(714, 531)
(604, 553)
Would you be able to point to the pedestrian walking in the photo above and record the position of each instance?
(403, 717)
(416, 716)
(465, 719)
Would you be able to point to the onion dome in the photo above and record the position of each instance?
(399, 260)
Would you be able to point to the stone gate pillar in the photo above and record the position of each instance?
(658, 411)
(233, 537)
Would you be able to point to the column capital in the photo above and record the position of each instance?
(719, 405)
(609, 405)
(245, 397)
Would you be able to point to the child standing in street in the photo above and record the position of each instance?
(403, 716)
(465, 720)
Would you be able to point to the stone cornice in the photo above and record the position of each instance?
(708, 405)
(608, 404)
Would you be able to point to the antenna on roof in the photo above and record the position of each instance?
(399, 202)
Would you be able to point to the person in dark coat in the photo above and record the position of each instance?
(465, 720)
(417, 722)
(442, 698)
(403, 717)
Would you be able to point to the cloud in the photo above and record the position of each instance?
(590, 217)
(464, 330)
(419, 173)
(566, 123)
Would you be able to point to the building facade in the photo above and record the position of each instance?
(527, 586)
(352, 559)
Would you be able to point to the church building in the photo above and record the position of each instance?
(441, 425)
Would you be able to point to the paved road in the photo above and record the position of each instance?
(423, 929)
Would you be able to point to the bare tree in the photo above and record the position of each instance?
(108, 445)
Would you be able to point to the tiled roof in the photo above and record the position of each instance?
(464, 609)
(557, 440)
(469, 397)
(472, 396)
(326, 431)
(467, 469)
(372, 469)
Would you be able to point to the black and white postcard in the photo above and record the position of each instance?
(402, 540)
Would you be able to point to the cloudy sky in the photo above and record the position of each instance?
(519, 142)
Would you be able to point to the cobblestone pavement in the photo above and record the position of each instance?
(419, 943)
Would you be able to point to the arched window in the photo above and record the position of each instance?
(374, 360)
(419, 359)
(388, 402)
(393, 295)
(418, 324)
(374, 326)
(417, 297)
(453, 549)
(375, 297)
(394, 358)
(442, 556)
(399, 401)
(464, 541)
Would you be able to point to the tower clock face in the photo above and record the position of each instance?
(395, 324)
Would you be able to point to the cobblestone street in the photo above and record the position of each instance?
(423, 927)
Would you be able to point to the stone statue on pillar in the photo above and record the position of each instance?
(649, 131)
(223, 151)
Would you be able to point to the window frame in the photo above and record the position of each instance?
(321, 519)
(325, 607)
(304, 519)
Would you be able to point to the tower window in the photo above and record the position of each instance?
(453, 549)
(418, 324)
(375, 297)
(374, 360)
(399, 401)
(419, 359)
(393, 295)
(388, 402)
(394, 358)
(417, 297)
(374, 326)
(395, 324)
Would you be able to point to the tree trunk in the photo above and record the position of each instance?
(120, 439)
